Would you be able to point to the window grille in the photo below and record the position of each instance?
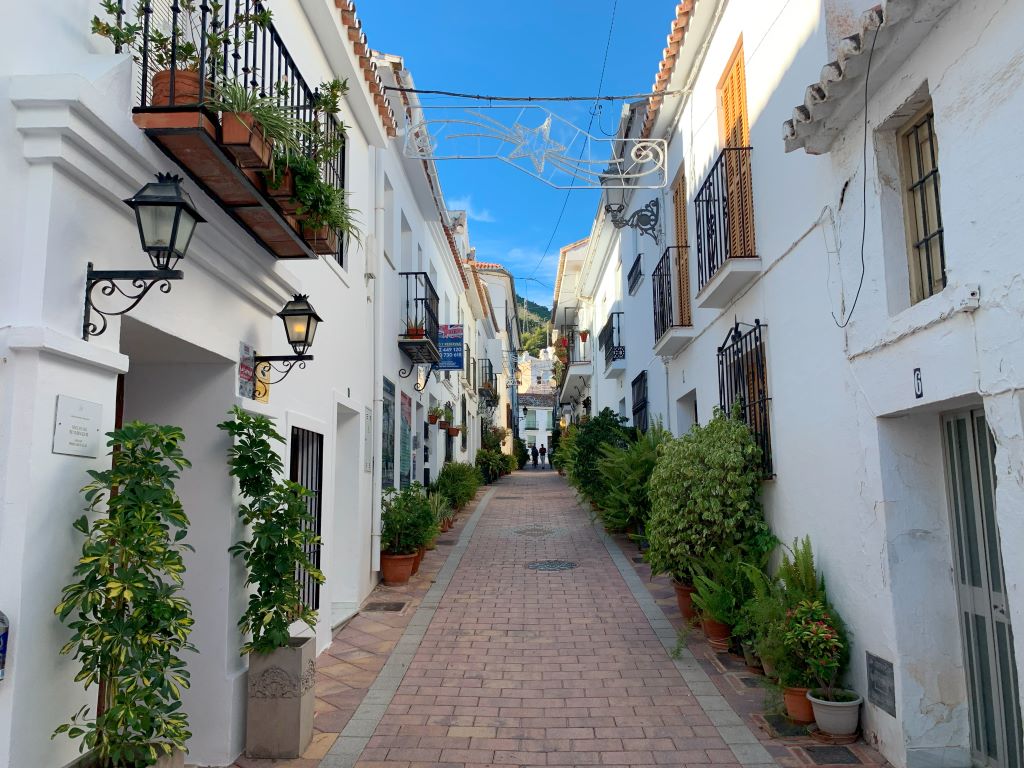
(743, 379)
(640, 401)
(923, 212)
(307, 469)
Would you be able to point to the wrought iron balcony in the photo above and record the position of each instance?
(418, 336)
(724, 208)
(487, 381)
(673, 324)
(187, 54)
(636, 273)
(610, 339)
(575, 347)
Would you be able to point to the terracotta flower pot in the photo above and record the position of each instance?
(321, 239)
(798, 707)
(279, 715)
(417, 559)
(243, 138)
(415, 332)
(432, 419)
(396, 570)
(718, 634)
(186, 88)
(684, 598)
(283, 195)
(442, 424)
(453, 431)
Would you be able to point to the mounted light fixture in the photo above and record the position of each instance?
(300, 324)
(166, 218)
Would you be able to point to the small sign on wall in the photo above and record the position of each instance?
(76, 429)
(881, 684)
(246, 370)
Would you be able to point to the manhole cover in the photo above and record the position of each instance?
(536, 531)
(551, 565)
(385, 607)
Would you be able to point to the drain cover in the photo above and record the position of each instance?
(551, 565)
(536, 531)
(385, 607)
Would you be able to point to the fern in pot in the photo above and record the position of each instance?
(259, 131)
(277, 557)
(129, 620)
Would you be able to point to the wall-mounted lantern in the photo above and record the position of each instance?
(166, 218)
(300, 324)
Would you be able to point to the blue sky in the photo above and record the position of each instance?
(529, 47)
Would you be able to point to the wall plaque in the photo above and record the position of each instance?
(76, 429)
(881, 684)
(246, 370)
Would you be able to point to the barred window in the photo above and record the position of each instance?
(922, 211)
(306, 467)
(640, 401)
(743, 379)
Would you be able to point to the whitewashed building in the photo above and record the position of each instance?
(80, 132)
(854, 284)
(537, 398)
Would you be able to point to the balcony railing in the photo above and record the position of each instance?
(724, 208)
(576, 349)
(743, 381)
(670, 309)
(186, 53)
(487, 381)
(418, 337)
(610, 339)
(636, 273)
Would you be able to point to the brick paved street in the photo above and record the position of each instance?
(526, 667)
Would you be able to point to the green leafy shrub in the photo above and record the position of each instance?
(554, 444)
(522, 455)
(491, 464)
(281, 533)
(458, 482)
(605, 429)
(493, 437)
(129, 621)
(407, 520)
(626, 473)
(816, 639)
(704, 496)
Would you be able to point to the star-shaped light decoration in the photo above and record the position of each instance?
(535, 144)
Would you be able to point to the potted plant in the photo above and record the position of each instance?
(414, 329)
(584, 335)
(258, 131)
(403, 532)
(441, 510)
(718, 597)
(815, 637)
(281, 533)
(453, 431)
(182, 46)
(125, 607)
(434, 413)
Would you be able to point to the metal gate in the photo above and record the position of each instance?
(984, 619)
(307, 469)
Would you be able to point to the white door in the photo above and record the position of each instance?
(984, 619)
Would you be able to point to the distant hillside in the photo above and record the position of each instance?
(533, 322)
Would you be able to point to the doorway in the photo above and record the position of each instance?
(984, 619)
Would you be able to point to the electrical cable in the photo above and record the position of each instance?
(864, 193)
(484, 97)
(572, 181)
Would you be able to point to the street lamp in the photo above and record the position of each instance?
(300, 324)
(166, 218)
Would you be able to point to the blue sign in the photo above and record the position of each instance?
(449, 340)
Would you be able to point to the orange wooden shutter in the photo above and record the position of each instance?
(735, 130)
(682, 252)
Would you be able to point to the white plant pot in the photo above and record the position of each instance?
(836, 718)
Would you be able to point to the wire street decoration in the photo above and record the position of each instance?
(645, 220)
(538, 142)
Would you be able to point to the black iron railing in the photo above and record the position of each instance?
(636, 273)
(420, 315)
(610, 339)
(724, 214)
(577, 348)
(743, 383)
(306, 467)
(640, 401)
(661, 282)
(487, 381)
(186, 51)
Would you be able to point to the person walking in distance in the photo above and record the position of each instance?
(534, 453)
(543, 456)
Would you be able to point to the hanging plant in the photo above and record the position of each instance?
(129, 621)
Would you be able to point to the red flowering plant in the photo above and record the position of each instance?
(815, 637)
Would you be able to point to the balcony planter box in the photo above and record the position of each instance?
(396, 570)
(322, 240)
(415, 332)
(90, 760)
(279, 715)
(186, 88)
(283, 195)
(442, 424)
(719, 635)
(453, 431)
(836, 718)
(798, 707)
(243, 138)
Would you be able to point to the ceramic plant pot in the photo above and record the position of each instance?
(719, 635)
(279, 716)
(798, 708)
(836, 718)
(684, 597)
(396, 570)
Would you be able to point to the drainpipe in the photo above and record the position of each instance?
(374, 254)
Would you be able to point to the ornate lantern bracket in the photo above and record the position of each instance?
(141, 282)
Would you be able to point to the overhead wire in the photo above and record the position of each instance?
(485, 97)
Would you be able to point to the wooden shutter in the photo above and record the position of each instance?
(735, 132)
(685, 318)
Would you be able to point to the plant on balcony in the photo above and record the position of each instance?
(584, 335)
(434, 413)
(259, 131)
(181, 45)
(130, 623)
(276, 553)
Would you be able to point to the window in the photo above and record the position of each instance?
(735, 133)
(306, 467)
(922, 212)
(682, 252)
(531, 419)
(743, 379)
(640, 401)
